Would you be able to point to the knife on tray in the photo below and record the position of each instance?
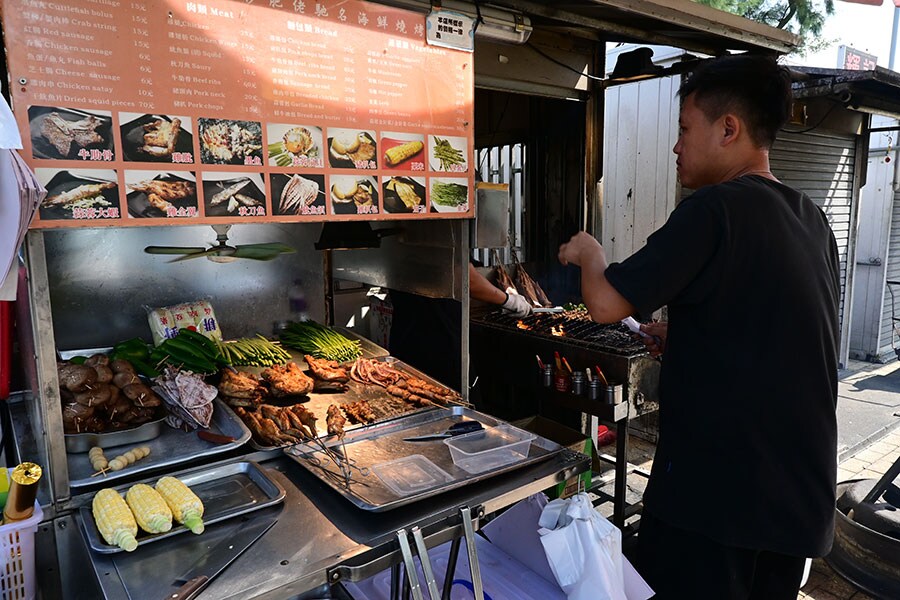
(219, 557)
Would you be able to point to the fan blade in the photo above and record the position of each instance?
(261, 251)
(172, 250)
(214, 251)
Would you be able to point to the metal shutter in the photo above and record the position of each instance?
(886, 337)
(822, 163)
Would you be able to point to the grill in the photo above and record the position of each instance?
(505, 347)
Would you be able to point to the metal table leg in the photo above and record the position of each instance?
(621, 473)
(469, 534)
(452, 559)
(422, 550)
(411, 574)
(395, 582)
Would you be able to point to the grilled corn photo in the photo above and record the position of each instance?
(185, 505)
(114, 520)
(396, 155)
(150, 511)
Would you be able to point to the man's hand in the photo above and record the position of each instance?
(516, 304)
(582, 246)
(656, 343)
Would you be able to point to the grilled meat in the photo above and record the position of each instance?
(306, 417)
(160, 194)
(326, 387)
(297, 193)
(359, 412)
(161, 136)
(287, 380)
(240, 384)
(61, 133)
(327, 370)
(335, 420)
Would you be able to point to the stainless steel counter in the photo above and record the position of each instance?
(319, 537)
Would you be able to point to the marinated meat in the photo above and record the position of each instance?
(188, 398)
(240, 384)
(322, 387)
(307, 418)
(161, 194)
(335, 420)
(327, 370)
(287, 380)
(359, 412)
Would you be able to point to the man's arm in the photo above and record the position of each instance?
(482, 289)
(604, 303)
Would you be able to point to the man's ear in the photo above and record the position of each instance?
(731, 128)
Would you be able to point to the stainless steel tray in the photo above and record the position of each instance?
(382, 442)
(82, 442)
(318, 403)
(226, 491)
(172, 447)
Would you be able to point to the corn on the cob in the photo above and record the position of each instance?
(396, 155)
(114, 520)
(186, 506)
(150, 511)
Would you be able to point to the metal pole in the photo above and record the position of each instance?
(894, 37)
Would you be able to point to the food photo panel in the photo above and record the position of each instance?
(159, 195)
(294, 194)
(449, 194)
(295, 146)
(229, 142)
(234, 194)
(403, 151)
(354, 195)
(448, 154)
(157, 138)
(352, 149)
(402, 194)
(71, 134)
(79, 194)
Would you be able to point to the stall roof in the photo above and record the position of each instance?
(875, 91)
(680, 23)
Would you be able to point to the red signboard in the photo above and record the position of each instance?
(223, 111)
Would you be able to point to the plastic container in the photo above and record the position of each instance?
(492, 448)
(17, 574)
(411, 474)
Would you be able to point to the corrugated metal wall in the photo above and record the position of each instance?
(887, 332)
(822, 163)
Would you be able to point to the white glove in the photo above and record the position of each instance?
(516, 304)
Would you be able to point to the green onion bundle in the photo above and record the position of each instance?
(254, 352)
(317, 340)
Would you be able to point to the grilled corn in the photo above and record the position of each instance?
(186, 506)
(396, 155)
(150, 511)
(114, 520)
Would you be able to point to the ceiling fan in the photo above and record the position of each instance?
(222, 252)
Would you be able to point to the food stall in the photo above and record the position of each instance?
(273, 122)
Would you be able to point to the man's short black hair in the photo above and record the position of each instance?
(754, 87)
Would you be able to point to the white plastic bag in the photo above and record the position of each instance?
(584, 550)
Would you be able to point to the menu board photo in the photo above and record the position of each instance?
(138, 113)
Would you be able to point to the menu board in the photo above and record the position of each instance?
(145, 112)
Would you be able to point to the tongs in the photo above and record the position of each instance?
(460, 428)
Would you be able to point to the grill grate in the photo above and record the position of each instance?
(569, 328)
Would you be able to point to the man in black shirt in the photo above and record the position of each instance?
(742, 488)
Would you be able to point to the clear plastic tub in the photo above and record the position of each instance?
(411, 474)
(492, 448)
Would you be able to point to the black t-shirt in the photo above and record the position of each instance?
(747, 437)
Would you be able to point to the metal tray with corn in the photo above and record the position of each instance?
(226, 491)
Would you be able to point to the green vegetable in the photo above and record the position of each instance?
(312, 338)
(447, 154)
(449, 194)
(256, 352)
(78, 360)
